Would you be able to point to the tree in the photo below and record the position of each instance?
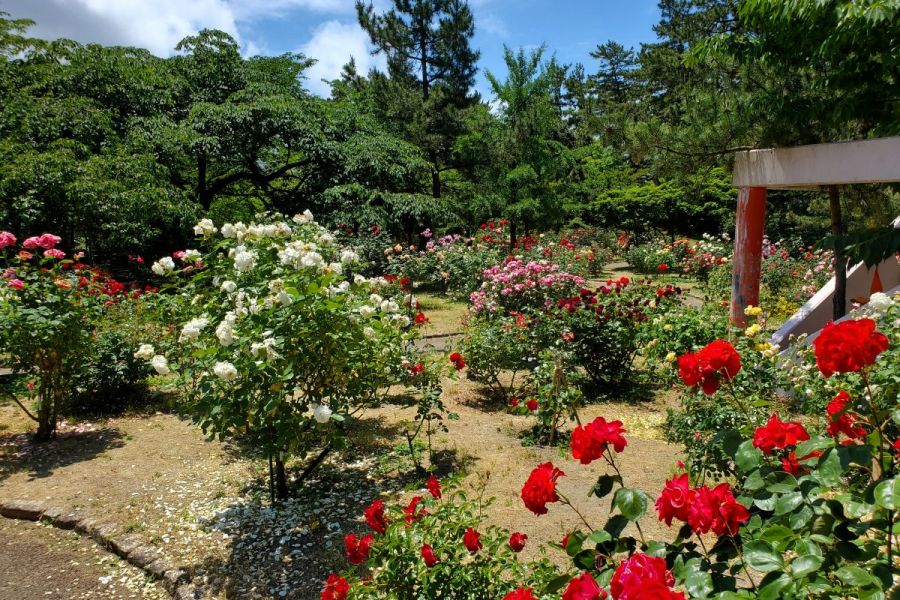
(426, 43)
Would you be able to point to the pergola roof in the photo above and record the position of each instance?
(812, 167)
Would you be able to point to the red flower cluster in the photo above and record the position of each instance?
(777, 434)
(517, 541)
(842, 420)
(583, 587)
(520, 594)
(642, 577)
(457, 360)
(358, 549)
(434, 487)
(709, 365)
(472, 541)
(590, 442)
(702, 508)
(375, 516)
(849, 346)
(540, 488)
(420, 319)
(411, 512)
(428, 556)
(336, 588)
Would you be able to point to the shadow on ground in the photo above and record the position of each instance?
(18, 452)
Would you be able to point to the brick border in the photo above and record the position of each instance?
(128, 547)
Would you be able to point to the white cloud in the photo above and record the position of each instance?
(332, 45)
(158, 25)
(248, 10)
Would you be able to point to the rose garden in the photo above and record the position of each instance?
(777, 477)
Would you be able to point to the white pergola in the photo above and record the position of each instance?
(814, 167)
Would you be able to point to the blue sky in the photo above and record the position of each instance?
(327, 29)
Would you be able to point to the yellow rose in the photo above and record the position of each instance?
(753, 330)
(670, 357)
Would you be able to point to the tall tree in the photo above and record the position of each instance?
(427, 45)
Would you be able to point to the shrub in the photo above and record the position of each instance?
(274, 337)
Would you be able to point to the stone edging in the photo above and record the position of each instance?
(128, 547)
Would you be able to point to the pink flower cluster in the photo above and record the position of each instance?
(6, 239)
(45, 241)
(517, 283)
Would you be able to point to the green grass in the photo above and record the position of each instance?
(444, 314)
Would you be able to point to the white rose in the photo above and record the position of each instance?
(191, 329)
(228, 286)
(225, 370)
(145, 352)
(191, 256)
(312, 260)
(366, 311)
(349, 257)
(244, 260)
(305, 217)
(163, 266)
(369, 332)
(228, 231)
(321, 413)
(880, 301)
(205, 227)
(285, 299)
(225, 333)
(375, 300)
(161, 365)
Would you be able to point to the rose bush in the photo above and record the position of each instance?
(275, 338)
(50, 309)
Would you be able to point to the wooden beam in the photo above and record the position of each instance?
(865, 161)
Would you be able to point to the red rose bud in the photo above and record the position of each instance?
(428, 556)
(433, 486)
(375, 516)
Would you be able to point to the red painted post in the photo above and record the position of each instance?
(748, 237)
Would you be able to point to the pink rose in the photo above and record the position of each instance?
(6, 239)
(54, 253)
(15, 284)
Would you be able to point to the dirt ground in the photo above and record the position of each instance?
(38, 561)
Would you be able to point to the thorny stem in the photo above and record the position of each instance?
(743, 564)
(566, 501)
(881, 441)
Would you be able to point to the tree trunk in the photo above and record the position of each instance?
(46, 421)
(840, 260)
(281, 487)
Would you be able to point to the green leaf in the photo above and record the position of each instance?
(887, 494)
(604, 485)
(788, 502)
(830, 471)
(747, 457)
(856, 576)
(762, 557)
(804, 565)
(632, 503)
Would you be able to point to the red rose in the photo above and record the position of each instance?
(358, 549)
(777, 434)
(375, 516)
(643, 577)
(675, 500)
(790, 463)
(336, 588)
(716, 510)
(514, 402)
(520, 594)
(472, 540)
(583, 587)
(531, 404)
(540, 488)
(565, 541)
(841, 420)
(420, 319)
(433, 486)
(410, 511)
(849, 346)
(428, 556)
(896, 445)
(517, 541)
(457, 360)
(662, 267)
(708, 366)
(590, 442)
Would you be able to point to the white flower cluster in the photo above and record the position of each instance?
(225, 329)
(145, 352)
(191, 256)
(265, 348)
(163, 266)
(303, 218)
(228, 286)
(226, 371)
(880, 301)
(205, 228)
(191, 330)
(244, 260)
